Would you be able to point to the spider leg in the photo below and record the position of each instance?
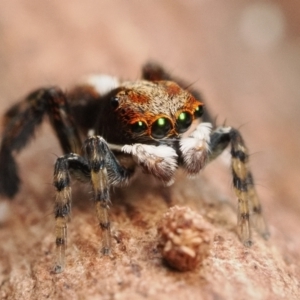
(102, 169)
(105, 171)
(20, 123)
(153, 72)
(63, 167)
(248, 201)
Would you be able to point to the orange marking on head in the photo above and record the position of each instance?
(172, 88)
(138, 97)
(191, 104)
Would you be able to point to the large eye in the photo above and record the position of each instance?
(160, 128)
(138, 127)
(183, 121)
(198, 111)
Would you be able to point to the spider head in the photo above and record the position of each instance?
(155, 111)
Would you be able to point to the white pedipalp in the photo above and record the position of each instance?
(195, 148)
(202, 132)
(160, 161)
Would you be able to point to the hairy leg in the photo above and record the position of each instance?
(248, 202)
(99, 167)
(77, 165)
(105, 170)
(20, 123)
(203, 146)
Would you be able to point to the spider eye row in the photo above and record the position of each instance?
(163, 125)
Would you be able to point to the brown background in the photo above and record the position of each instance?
(244, 56)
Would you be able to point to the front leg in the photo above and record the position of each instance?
(249, 207)
(102, 169)
(96, 152)
(203, 146)
(105, 171)
(62, 182)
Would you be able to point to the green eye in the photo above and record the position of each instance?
(160, 128)
(138, 127)
(183, 122)
(199, 111)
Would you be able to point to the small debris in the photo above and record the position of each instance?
(184, 238)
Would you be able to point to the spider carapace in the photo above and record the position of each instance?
(154, 123)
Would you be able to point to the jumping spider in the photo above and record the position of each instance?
(128, 124)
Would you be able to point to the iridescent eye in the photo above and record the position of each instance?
(183, 121)
(160, 128)
(138, 127)
(198, 111)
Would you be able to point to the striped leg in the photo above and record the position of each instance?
(257, 218)
(101, 168)
(99, 179)
(248, 201)
(79, 167)
(62, 210)
(105, 170)
(240, 175)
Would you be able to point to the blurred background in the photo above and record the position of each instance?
(243, 55)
